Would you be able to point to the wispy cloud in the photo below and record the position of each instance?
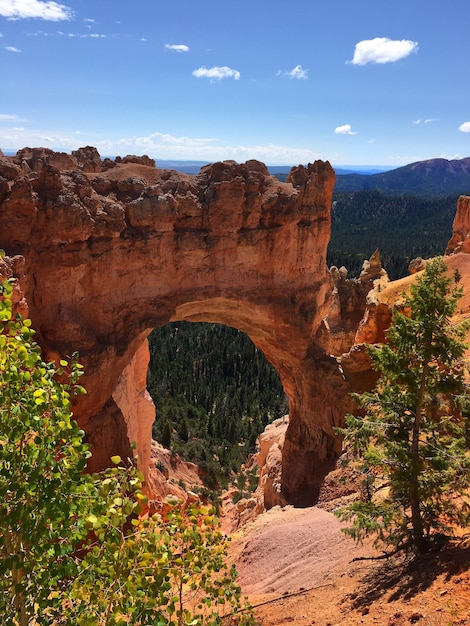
(465, 127)
(24, 9)
(345, 129)
(382, 50)
(162, 146)
(216, 73)
(298, 72)
(12, 49)
(165, 146)
(7, 117)
(61, 33)
(83, 36)
(177, 47)
(426, 121)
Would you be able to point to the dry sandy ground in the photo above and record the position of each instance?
(296, 566)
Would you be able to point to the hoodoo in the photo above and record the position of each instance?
(112, 249)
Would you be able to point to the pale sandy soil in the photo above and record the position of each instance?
(296, 566)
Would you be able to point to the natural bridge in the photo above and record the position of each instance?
(108, 250)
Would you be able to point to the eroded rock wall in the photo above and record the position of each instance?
(113, 249)
(460, 240)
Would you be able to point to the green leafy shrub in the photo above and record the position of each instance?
(42, 458)
(78, 549)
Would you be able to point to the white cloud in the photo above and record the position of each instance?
(297, 72)
(162, 146)
(465, 127)
(382, 50)
(427, 121)
(216, 73)
(23, 9)
(82, 36)
(345, 130)
(12, 49)
(453, 157)
(165, 146)
(6, 117)
(177, 47)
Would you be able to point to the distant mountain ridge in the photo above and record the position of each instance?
(280, 171)
(431, 178)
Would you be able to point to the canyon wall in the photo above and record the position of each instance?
(460, 240)
(108, 250)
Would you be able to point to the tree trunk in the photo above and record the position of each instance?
(419, 543)
(18, 574)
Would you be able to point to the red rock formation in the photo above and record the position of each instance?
(269, 461)
(112, 251)
(460, 240)
(350, 303)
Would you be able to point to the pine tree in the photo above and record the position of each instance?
(166, 434)
(183, 431)
(412, 438)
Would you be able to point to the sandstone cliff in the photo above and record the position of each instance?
(460, 240)
(113, 249)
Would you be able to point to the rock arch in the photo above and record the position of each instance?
(113, 249)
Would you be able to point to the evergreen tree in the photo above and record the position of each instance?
(166, 435)
(183, 432)
(412, 439)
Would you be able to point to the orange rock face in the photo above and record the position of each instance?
(460, 241)
(113, 249)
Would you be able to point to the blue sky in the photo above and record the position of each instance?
(352, 82)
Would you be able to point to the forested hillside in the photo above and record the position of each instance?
(401, 227)
(430, 179)
(214, 392)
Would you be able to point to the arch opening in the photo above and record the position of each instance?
(214, 393)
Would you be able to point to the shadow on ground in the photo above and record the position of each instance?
(408, 577)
